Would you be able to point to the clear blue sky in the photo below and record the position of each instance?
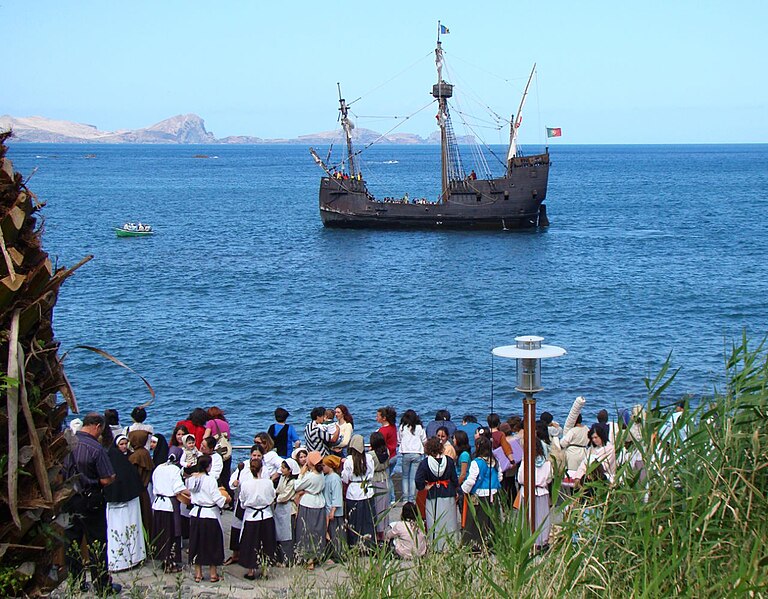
(678, 71)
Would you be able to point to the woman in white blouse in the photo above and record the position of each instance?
(206, 538)
(411, 437)
(601, 451)
(257, 541)
(357, 474)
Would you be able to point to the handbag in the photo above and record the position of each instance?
(223, 446)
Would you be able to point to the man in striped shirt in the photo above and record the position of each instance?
(316, 436)
(90, 467)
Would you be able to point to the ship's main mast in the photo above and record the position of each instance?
(348, 126)
(441, 91)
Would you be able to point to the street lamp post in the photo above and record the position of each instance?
(528, 353)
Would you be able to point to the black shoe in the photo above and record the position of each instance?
(85, 587)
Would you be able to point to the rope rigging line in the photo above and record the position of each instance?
(391, 78)
(466, 90)
(481, 161)
(477, 118)
(383, 135)
(484, 144)
(487, 72)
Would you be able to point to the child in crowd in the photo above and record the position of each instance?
(285, 510)
(311, 521)
(206, 539)
(406, 536)
(334, 506)
(257, 541)
(190, 455)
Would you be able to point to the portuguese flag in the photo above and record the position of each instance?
(554, 132)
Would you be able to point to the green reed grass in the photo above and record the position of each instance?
(695, 527)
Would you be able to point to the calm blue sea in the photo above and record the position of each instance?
(243, 300)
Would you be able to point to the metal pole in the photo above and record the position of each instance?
(529, 455)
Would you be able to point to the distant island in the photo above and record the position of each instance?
(181, 129)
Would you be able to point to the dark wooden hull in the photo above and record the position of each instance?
(511, 202)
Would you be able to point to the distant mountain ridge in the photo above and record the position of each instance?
(181, 129)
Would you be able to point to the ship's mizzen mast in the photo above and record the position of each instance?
(515, 123)
(348, 125)
(450, 159)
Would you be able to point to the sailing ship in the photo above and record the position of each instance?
(514, 200)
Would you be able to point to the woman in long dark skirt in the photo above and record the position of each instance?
(380, 455)
(481, 489)
(257, 542)
(241, 474)
(311, 520)
(358, 475)
(206, 538)
(169, 489)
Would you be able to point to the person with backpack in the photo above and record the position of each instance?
(284, 435)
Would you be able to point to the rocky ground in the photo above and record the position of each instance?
(148, 581)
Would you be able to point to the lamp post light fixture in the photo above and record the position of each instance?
(528, 352)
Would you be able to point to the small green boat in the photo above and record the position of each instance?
(134, 230)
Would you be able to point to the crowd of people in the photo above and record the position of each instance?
(304, 499)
